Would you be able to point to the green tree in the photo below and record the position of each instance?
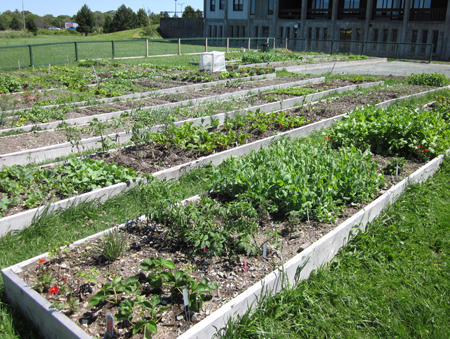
(2, 26)
(142, 18)
(124, 19)
(15, 24)
(199, 13)
(85, 20)
(107, 25)
(99, 18)
(30, 24)
(189, 12)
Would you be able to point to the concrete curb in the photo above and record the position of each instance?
(24, 219)
(60, 150)
(171, 90)
(53, 324)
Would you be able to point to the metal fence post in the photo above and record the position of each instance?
(286, 44)
(206, 44)
(146, 48)
(249, 45)
(113, 49)
(274, 43)
(332, 43)
(31, 55)
(228, 45)
(179, 46)
(396, 50)
(76, 51)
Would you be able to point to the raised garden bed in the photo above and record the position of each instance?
(225, 273)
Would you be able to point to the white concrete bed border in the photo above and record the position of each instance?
(170, 90)
(53, 324)
(24, 219)
(60, 150)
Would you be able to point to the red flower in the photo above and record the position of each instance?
(426, 150)
(419, 146)
(35, 98)
(64, 278)
(41, 261)
(53, 290)
(26, 91)
(3, 95)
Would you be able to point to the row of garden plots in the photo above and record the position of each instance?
(90, 80)
(259, 211)
(161, 149)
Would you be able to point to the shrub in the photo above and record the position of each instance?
(9, 84)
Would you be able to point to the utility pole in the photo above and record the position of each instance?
(181, 8)
(23, 16)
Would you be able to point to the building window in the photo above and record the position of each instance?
(237, 31)
(420, 3)
(238, 5)
(288, 32)
(424, 39)
(270, 11)
(325, 33)
(221, 31)
(212, 5)
(222, 4)
(232, 32)
(309, 32)
(413, 39)
(256, 31)
(358, 34)
(385, 35)
(210, 31)
(243, 31)
(265, 31)
(350, 4)
(394, 35)
(281, 32)
(375, 38)
(435, 40)
(215, 31)
(317, 32)
(253, 7)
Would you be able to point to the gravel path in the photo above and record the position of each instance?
(389, 68)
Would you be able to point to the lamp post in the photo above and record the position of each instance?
(181, 8)
(175, 8)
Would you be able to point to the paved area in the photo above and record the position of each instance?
(388, 68)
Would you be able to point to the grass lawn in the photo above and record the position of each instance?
(95, 47)
(390, 282)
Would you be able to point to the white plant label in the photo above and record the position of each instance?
(264, 250)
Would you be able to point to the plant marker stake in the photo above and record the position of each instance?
(186, 305)
(154, 227)
(204, 249)
(264, 250)
(245, 266)
(93, 68)
(109, 325)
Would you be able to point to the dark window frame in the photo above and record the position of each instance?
(238, 5)
(221, 4)
(212, 5)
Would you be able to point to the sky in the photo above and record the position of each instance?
(56, 8)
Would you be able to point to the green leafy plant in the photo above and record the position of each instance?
(428, 79)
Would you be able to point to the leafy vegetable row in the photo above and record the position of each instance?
(399, 131)
(31, 186)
